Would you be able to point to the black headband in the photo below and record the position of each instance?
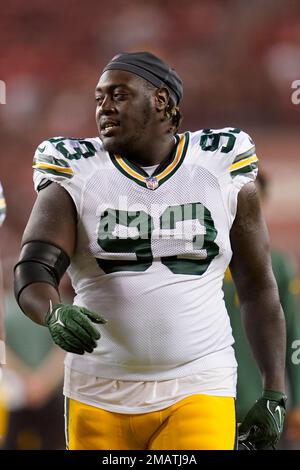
(150, 68)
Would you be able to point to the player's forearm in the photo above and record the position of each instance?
(35, 300)
(265, 327)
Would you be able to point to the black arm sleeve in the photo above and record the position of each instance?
(39, 262)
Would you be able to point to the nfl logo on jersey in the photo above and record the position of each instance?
(151, 182)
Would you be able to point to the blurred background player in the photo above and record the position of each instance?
(30, 389)
(32, 381)
(249, 384)
(2, 336)
(3, 407)
(32, 384)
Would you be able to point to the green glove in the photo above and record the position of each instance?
(263, 424)
(71, 327)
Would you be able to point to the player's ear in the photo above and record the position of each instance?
(161, 99)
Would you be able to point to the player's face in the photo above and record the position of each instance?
(124, 111)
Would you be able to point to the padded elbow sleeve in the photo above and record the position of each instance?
(39, 262)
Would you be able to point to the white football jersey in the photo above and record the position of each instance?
(152, 250)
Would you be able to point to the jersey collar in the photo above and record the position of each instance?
(162, 173)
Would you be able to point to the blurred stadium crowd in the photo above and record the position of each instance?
(237, 60)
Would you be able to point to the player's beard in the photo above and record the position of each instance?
(130, 143)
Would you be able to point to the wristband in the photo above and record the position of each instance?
(276, 396)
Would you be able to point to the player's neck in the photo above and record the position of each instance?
(154, 152)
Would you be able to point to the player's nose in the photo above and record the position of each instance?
(106, 105)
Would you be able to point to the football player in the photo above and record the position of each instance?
(3, 411)
(2, 346)
(146, 221)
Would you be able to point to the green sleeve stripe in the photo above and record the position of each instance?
(246, 154)
(42, 159)
(50, 160)
(245, 169)
(54, 172)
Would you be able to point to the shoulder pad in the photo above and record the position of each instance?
(55, 156)
(227, 150)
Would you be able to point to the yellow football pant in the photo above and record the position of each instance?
(198, 422)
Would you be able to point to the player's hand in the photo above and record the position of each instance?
(263, 424)
(72, 328)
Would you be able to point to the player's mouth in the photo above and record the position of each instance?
(109, 127)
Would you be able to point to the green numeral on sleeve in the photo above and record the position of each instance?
(210, 141)
(59, 144)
